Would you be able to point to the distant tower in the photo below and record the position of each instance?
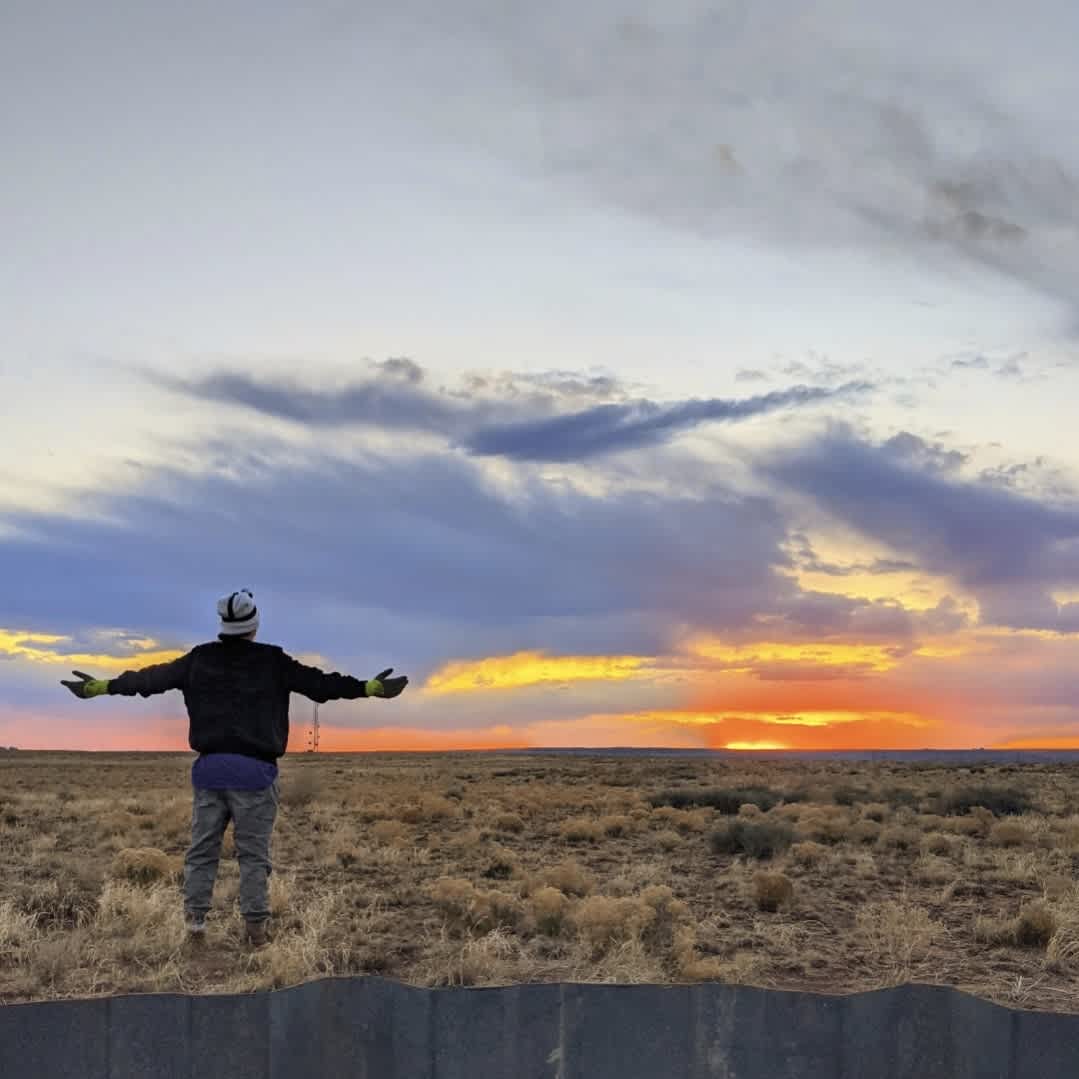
(312, 740)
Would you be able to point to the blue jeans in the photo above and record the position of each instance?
(252, 814)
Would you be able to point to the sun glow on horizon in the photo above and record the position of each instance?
(755, 745)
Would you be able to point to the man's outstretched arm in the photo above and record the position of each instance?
(158, 678)
(322, 686)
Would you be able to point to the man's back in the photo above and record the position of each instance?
(237, 693)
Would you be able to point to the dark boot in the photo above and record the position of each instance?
(257, 934)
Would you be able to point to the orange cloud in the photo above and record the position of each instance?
(874, 657)
(530, 669)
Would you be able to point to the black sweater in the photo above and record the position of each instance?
(237, 693)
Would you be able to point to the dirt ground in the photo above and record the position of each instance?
(450, 869)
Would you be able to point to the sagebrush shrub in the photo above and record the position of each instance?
(756, 839)
(724, 801)
(771, 890)
(1002, 801)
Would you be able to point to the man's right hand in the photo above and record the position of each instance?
(382, 685)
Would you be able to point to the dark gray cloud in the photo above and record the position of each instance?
(1010, 549)
(613, 428)
(522, 417)
(397, 400)
(425, 545)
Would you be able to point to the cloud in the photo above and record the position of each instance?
(113, 650)
(412, 550)
(918, 453)
(1007, 548)
(612, 428)
(521, 416)
(840, 125)
(396, 399)
(976, 363)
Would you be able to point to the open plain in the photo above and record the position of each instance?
(489, 868)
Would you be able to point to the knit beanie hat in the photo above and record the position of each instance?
(238, 613)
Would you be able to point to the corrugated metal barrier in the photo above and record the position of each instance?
(370, 1028)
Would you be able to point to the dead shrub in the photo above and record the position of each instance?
(750, 811)
(865, 831)
(771, 890)
(429, 807)
(938, 843)
(453, 895)
(467, 905)
(668, 839)
(685, 820)
(669, 914)
(549, 908)
(1035, 926)
(602, 921)
(569, 877)
(807, 853)
(1009, 833)
(963, 826)
(615, 825)
(508, 822)
(899, 838)
(144, 865)
(501, 864)
(825, 824)
(581, 830)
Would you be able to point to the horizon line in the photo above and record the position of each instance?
(588, 749)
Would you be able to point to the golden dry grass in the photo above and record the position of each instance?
(464, 869)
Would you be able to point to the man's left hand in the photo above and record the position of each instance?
(86, 686)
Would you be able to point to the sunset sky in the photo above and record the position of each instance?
(685, 374)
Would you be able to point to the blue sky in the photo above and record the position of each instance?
(736, 339)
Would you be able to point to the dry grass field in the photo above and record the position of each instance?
(466, 869)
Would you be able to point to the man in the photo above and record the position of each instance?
(237, 697)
